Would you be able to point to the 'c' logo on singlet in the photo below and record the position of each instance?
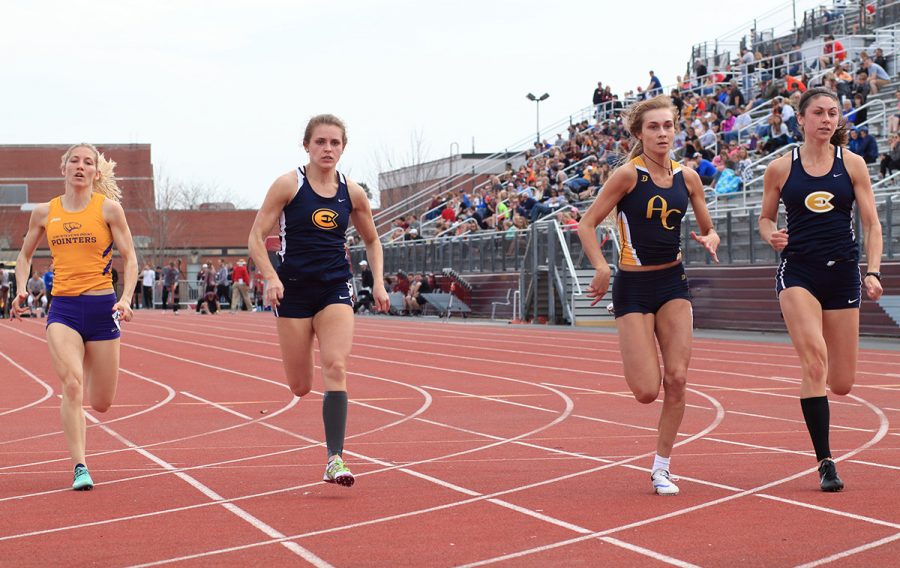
(663, 209)
(819, 202)
(69, 227)
(325, 219)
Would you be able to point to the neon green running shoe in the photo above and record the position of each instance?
(336, 472)
(83, 481)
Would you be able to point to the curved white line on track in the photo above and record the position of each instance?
(490, 497)
(879, 435)
(48, 390)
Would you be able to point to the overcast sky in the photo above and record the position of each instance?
(222, 90)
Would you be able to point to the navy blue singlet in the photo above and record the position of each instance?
(649, 218)
(312, 234)
(819, 212)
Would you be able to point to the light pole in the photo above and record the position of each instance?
(537, 101)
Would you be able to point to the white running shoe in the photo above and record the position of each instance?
(662, 483)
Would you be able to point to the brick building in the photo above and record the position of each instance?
(30, 174)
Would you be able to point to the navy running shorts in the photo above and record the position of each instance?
(90, 316)
(647, 292)
(305, 298)
(836, 284)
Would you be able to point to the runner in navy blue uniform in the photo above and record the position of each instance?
(310, 293)
(818, 280)
(651, 298)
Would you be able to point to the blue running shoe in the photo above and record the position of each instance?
(83, 481)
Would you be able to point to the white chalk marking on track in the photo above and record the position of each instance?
(48, 390)
(851, 552)
(212, 495)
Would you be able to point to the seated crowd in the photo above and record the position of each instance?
(716, 136)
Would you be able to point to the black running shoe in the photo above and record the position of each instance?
(828, 477)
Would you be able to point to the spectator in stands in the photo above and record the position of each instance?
(48, 284)
(891, 160)
(879, 58)
(728, 181)
(4, 291)
(364, 298)
(222, 281)
(818, 280)
(148, 279)
(878, 77)
(654, 87)
(412, 235)
(240, 287)
(170, 277)
(848, 112)
(37, 297)
(208, 303)
(650, 266)
(704, 168)
(868, 147)
(861, 85)
(778, 134)
(894, 122)
(401, 283)
(833, 52)
(795, 60)
(413, 300)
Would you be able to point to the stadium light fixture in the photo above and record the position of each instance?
(537, 102)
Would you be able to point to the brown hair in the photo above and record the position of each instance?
(321, 119)
(106, 183)
(634, 119)
(840, 136)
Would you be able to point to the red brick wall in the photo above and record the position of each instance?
(37, 166)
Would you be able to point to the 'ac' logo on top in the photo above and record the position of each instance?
(658, 204)
(325, 219)
(73, 226)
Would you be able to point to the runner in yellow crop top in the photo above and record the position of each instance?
(83, 324)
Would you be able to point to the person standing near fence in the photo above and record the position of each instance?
(818, 281)
(311, 291)
(651, 298)
(148, 279)
(82, 225)
(240, 286)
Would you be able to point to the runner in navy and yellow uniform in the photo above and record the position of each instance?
(311, 291)
(818, 281)
(82, 225)
(651, 299)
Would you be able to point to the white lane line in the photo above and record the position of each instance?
(821, 509)
(48, 390)
(647, 552)
(851, 552)
(720, 415)
(256, 523)
(879, 435)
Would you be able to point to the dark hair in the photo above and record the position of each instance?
(840, 136)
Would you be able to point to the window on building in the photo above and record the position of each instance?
(13, 194)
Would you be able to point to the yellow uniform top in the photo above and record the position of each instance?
(81, 245)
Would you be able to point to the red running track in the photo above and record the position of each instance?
(472, 444)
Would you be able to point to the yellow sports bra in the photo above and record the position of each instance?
(81, 245)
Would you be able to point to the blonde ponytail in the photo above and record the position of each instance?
(106, 183)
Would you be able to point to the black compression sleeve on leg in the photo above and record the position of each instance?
(334, 415)
(817, 416)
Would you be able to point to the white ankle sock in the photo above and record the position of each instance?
(660, 463)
